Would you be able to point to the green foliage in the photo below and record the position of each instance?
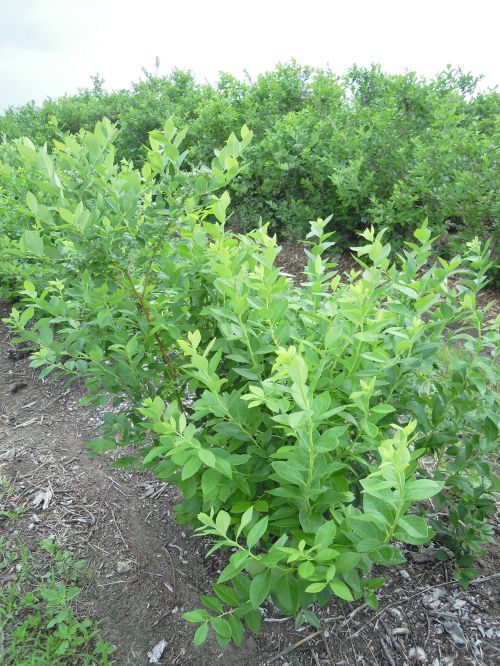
(311, 429)
(38, 624)
(367, 148)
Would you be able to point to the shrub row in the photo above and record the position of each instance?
(364, 148)
(313, 430)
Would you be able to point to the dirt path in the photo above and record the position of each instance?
(144, 570)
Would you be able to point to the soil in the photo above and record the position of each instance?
(144, 570)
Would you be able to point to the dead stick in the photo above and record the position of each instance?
(294, 646)
(119, 530)
(427, 589)
(58, 397)
(174, 582)
(319, 632)
(327, 648)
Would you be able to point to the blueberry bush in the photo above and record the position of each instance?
(365, 148)
(314, 430)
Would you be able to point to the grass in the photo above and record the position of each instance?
(38, 623)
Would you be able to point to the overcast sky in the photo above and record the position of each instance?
(51, 47)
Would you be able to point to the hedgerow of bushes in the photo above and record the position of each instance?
(312, 430)
(365, 148)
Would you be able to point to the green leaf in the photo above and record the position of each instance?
(220, 206)
(245, 520)
(417, 490)
(375, 357)
(190, 468)
(213, 603)
(438, 410)
(223, 521)
(221, 627)
(201, 634)
(259, 588)
(298, 370)
(422, 234)
(257, 531)
(341, 590)
(312, 618)
(102, 445)
(248, 374)
(199, 615)
(333, 334)
(207, 457)
(326, 555)
(32, 242)
(490, 429)
(67, 215)
(153, 453)
(237, 629)
(387, 555)
(370, 599)
(382, 408)
(29, 288)
(413, 530)
(285, 594)
(347, 562)
(32, 202)
(209, 481)
(26, 316)
(226, 594)
(314, 588)
(375, 583)
(306, 569)
(408, 291)
(288, 473)
(194, 338)
(325, 534)
(236, 563)
(369, 428)
(327, 442)
(253, 620)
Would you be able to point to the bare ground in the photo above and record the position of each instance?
(144, 570)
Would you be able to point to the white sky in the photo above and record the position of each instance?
(51, 47)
